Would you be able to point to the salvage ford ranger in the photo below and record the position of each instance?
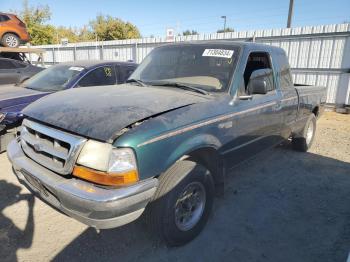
(161, 144)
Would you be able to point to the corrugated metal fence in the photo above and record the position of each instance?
(319, 55)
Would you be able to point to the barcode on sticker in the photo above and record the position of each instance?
(218, 53)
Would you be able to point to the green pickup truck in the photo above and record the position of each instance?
(161, 144)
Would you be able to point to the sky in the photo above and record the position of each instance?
(154, 17)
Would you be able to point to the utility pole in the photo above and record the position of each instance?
(224, 17)
(290, 13)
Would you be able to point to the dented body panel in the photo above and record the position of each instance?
(100, 113)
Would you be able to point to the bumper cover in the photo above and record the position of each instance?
(96, 206)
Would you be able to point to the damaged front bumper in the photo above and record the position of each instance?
(93, 205)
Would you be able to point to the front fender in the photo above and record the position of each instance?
(155, 158)
(192, 144)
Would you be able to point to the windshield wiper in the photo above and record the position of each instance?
(134, 80)
(182, 86)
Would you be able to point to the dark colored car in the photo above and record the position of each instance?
(56, 78)
(163, 144)
(13, 71)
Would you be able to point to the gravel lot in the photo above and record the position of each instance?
(280, 206)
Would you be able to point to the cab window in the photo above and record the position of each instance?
(257, 61)
(100, 76)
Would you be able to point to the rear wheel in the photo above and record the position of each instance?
(304, 141)
(10, 40)
(183, 202)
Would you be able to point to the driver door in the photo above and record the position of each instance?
(258, 124)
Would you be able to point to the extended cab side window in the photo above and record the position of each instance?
(100, 76)
(257, 61)
(284, 75)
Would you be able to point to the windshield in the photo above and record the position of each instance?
(205, 66)
(54, 78)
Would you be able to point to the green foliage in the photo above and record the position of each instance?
(102, 27)
(228, 29)
(189, 32)
(110, 28)
(35, 19)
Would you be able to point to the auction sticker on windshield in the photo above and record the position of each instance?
(76, 68)
(218, 53)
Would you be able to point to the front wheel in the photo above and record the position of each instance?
(182, 204)
(303, 141)
(10, 40)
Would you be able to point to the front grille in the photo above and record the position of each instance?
(52, 148)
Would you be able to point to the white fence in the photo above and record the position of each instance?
(319, 55)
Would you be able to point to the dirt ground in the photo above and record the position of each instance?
(280, 206)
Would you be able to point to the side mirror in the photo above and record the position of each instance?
(259, 81)
(257, 86)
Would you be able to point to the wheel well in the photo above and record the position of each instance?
(210, 158)
(315, 111)
(14, 33)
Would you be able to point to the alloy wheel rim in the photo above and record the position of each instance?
(11, 41)
(190, 206)
(309, 132)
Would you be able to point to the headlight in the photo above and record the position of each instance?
(2, 116)
(103, 164)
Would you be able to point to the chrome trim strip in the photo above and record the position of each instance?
(289, 98)
(205, 123)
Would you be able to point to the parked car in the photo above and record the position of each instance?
(13, 31)
(56, 78)
(163, 143)
(14, 71)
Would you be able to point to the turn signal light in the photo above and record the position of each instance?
(109, 179)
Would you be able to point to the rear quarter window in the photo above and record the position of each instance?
(4, 18)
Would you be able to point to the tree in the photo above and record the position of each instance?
(228, 29)
(189, 32)
(72, 34)
(111, 28)
(35, 19)
(103, 27)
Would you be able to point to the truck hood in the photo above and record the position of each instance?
(11, 96)
(101, 112)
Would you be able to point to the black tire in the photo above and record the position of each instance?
(303, 141)
(10, 40)
(161, 212)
